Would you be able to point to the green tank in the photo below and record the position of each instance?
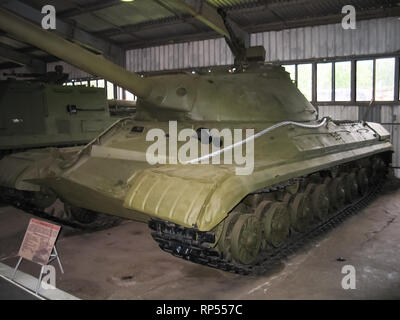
(39, 111)
(122, 108)
(300, 172)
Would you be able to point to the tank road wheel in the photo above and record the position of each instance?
(362, 181)
(43, 200)
(378, 169)
(300, 212)
(350, 187)
(81, 215)
(246, 239)
(337, 193)
(276, 221)
(319, 202)
(224, 243)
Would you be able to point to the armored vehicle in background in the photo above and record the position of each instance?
(38, 111)
(305, 171)
(121, 108)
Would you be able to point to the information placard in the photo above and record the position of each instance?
(39, 241)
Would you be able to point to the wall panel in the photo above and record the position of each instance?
(376, 36)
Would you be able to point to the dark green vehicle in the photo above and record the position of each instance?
(40, 112)
(300, 173)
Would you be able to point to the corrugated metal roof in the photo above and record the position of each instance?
(229, 3)
(60, 5)
(144, 23)
(122, 14)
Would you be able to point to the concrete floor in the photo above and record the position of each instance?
(125, 263)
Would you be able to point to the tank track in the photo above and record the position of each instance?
(23, 200)
(193, 245)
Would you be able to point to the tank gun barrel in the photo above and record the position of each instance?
(73, 53)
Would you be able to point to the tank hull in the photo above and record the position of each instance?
(115, 180)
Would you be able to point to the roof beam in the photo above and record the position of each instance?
(143, 26)
(181, 16)
(202, 11)
(90, 10)
(267, 4)
(173, 39)
(69, 31)
(34, 64)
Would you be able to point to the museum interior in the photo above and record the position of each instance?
(199, 150)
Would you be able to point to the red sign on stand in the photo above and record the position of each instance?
(39, 241)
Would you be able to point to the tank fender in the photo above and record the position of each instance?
(197, 196)
(380, 130)
(17, 169)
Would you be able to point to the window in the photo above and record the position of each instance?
(120, 93)
(129, 96)
(338, 81)
(365, 70)
(343, 81)
(100, 83)
(324, 81)
(292, 71)
(110, 90)
(398, 78)
(304, 79)
(384, 79)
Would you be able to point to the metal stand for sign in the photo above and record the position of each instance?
(54, 255)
